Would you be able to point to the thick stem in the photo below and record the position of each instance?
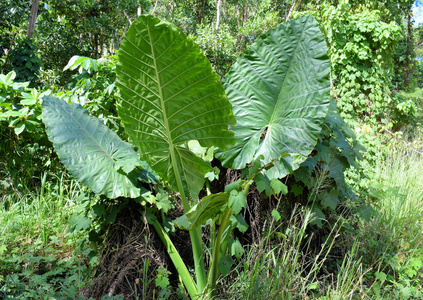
(197, 250)
(176, 259)
(195, 234)
(214, 273)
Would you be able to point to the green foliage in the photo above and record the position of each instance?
(404, 113)
(39, 258)
(25, 148)
(94, 88)
(321, 176)
(13, 13)
(24, 61)
(361, 48)
(279, 90)
(163, 104)
(242, 23)
(79, 27)
(162, 282)
(220, 47)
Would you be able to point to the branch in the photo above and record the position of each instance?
(395, 137)
(129, 19)
(292, 9)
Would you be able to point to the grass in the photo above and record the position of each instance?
(283, 266)
(392, 240)
(38, 256)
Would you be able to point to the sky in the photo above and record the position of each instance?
(418, 12)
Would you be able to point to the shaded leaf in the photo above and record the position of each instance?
(236, 249)
(208, 208)
(89, 149)
(237, 201)
(278, 187)
(224, 265)
(238, 222)
(330, 199)
(276, 215)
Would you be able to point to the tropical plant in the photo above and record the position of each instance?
(169, 97)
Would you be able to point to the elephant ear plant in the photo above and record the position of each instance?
(169, 96)
(279, 89)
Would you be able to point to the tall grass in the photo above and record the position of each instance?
(400, 204)
(34, 217)
(391, 243)
(283, 266)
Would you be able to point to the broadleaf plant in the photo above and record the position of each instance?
(170, 96)
(279, 90)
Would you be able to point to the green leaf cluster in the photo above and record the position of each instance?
(322, 174)
(361, 46)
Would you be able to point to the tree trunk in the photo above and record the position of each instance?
(408, 51)
(33, 18)
(296, 2)
(218, 13)
(245, 16)
(225, 9)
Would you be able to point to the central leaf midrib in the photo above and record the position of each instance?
(284, 79)
(159, 87)
(172, 155)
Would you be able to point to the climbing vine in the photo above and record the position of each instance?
(361, 47)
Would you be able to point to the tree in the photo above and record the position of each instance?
(33, 18)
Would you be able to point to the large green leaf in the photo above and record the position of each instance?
(279, 90)
(170, 95)
(91, 152)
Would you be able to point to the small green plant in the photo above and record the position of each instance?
(26, 150)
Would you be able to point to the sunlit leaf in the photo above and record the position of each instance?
(169, 95)
(279, 89)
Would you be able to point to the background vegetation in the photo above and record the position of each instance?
(348, 225)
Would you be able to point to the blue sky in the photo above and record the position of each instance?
(418, 12)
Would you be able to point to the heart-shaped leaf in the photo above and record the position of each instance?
(279, 90)
(169, 96)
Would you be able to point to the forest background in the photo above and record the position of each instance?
(349, 227)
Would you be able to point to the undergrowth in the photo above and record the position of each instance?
(39, 258)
